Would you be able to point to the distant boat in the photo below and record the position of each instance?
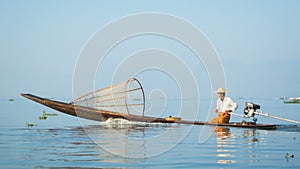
(282, 98)
(292, 100)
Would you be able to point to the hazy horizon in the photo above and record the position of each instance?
(257, 42)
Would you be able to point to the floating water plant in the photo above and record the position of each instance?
(287, 155)
(43, 117)
(48, 114)
(31, 125)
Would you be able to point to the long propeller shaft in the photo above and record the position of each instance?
(276, 117)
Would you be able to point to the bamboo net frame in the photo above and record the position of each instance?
(125, 97)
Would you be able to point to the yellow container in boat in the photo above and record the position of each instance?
(170, 118)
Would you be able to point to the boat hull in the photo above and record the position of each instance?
(102, 115)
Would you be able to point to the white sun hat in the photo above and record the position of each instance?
(221, 90)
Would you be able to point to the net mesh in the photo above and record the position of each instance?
(125, 97)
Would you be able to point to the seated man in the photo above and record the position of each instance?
(225, 105)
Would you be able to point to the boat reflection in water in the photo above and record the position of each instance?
(246, 142)
(225, 145)
(135, 139)
(115, 139)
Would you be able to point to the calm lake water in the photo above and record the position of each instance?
(62, 141)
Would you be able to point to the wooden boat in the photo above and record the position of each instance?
(292, 101)
(102, 115)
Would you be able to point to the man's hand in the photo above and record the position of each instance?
(216, 110)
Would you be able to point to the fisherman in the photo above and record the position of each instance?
(225, 105)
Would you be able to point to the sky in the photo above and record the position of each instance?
(256, 41)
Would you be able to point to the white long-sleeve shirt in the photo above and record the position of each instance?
(226, 104)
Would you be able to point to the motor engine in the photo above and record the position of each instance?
(250, 109)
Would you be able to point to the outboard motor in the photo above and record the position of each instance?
(250, 110)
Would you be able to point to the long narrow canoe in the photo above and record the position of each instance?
(102, 115)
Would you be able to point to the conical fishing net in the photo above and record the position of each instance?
(125, 97)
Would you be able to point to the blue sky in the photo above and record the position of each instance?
(257, 41)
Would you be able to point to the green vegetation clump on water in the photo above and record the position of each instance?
(287, 155)
(45, 115)
(31, 125)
